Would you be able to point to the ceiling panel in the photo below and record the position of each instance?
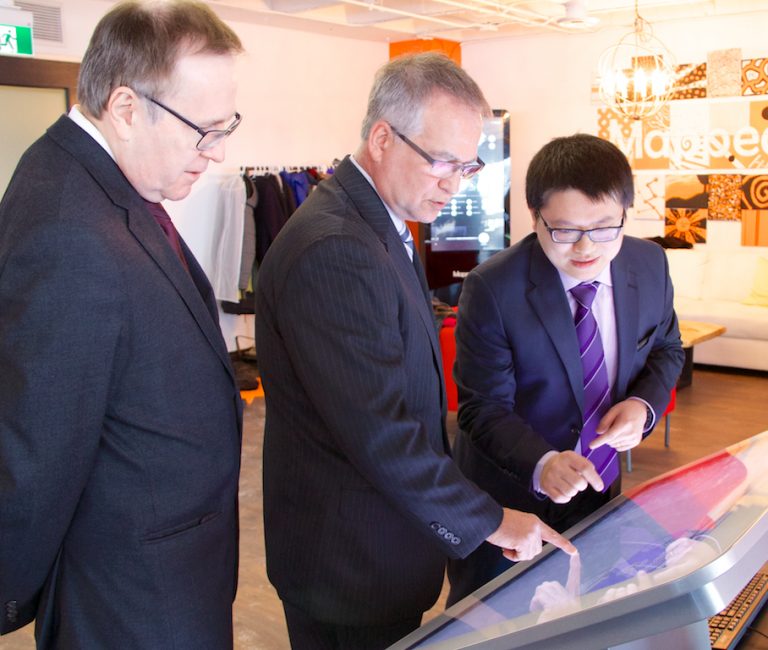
(467, 20)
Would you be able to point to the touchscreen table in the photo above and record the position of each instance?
(657, 560)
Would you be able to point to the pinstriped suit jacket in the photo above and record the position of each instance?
(362, 503)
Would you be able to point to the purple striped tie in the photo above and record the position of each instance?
(597, 392)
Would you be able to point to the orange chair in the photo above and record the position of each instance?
(666, 415)
(448, 350)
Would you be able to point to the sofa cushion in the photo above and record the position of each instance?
(741, 321)
(728, 273)
(759, 295)
(686, 268)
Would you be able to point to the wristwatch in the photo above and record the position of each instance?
(649, 417)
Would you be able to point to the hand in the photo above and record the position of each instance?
(683, 556)
(555, 600)
(566, 474)
(522, 535)
(641, 581)
(622, 426)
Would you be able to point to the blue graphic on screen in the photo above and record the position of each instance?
(653, 535)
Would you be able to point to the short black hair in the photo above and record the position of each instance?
(582, 162)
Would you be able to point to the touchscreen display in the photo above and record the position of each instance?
(654, 534)
(474, 219)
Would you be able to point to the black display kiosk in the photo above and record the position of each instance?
(653, 565)
(475, 224)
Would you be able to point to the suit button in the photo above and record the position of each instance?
(442, 531)
(11, 611)
(434, 526)
(456, 540)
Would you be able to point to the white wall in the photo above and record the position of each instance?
(544, 81)
(302, 96)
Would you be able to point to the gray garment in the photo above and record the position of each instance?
(249, 235)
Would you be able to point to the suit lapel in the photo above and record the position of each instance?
(548, 300)
(626, 305)
(195, 290)
(193, 287)
(372, 210)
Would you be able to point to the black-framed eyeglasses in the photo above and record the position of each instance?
(208, 139)
(572, 235)
(443, 168)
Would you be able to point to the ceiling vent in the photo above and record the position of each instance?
(47, 20)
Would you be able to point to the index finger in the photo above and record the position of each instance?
(556, 539)
(592, 477)
(574, 575)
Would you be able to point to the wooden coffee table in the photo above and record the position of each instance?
(693, 332)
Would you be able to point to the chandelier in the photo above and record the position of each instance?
(636, 75)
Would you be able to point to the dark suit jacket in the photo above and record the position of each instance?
(361, 502)
(518, 370)
(119, 416)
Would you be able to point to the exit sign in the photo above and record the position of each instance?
(15, 32)
(15, 40)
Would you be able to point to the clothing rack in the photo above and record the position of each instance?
(255, 170)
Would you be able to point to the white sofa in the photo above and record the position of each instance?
(710, 285)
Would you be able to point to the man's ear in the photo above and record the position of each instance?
(379, 140)
(533, 219)
(122, 111)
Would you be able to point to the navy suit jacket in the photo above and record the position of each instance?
(120, 418)
(362, 503)
(518, 370)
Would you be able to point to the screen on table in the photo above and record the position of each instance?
(651, 536)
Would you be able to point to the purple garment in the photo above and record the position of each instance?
(597, 391)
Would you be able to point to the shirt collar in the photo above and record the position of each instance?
(76, 115)
(399, 223)
(570, 282)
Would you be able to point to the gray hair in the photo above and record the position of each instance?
(403, 86)
(137, 44)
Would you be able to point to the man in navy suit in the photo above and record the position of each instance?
(518, 364)
(120, 419)
(362, 502)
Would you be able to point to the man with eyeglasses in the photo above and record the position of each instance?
(120, 418)
(567, 348)
(362, 503)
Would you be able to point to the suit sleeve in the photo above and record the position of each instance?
(662, 367)
(59, 322)
(485, 377)
(338, 310)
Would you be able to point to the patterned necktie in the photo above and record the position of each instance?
(407, 238)
(597, 392)
(164, 221)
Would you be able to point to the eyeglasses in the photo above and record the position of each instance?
(208, 139)
(443, 168)
(572, 235)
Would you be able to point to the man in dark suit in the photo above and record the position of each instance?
(362, 503)
(120, 419)
(520, 365)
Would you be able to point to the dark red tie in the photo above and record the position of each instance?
(164, 221)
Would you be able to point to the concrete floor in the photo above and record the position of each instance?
(259, 623)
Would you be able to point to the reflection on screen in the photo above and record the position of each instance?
(660, 531)
(474, 220)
